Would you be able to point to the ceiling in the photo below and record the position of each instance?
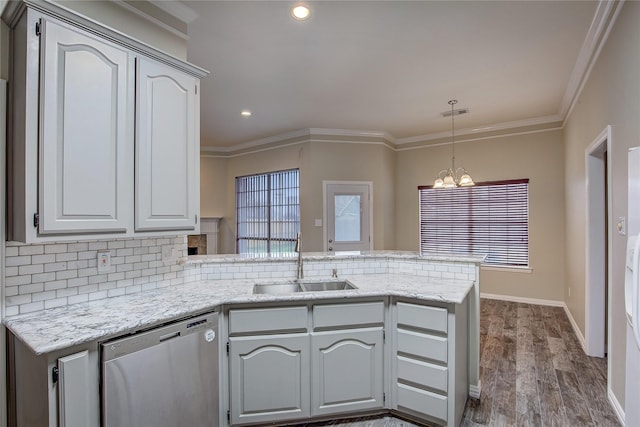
(387, 66)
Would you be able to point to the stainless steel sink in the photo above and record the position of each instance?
(283, 288)
(276, 288)
(334, 285)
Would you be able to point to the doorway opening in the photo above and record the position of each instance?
(598, 244)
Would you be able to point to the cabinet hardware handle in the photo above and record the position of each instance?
(55, 374)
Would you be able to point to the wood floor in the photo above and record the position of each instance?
(533, 373)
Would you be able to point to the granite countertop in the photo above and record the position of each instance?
(328, 256)
(58, 328)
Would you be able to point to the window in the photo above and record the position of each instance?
(267, 212)
(491, 218)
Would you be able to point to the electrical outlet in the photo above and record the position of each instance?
(169, 253)
(621, 225)
(104, 261)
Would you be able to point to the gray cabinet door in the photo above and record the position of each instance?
(167, 174)
(347, 371)
(269, 378)
(85, 140)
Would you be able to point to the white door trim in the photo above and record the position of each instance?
(3, 344)
(325, 184)
(596, 245)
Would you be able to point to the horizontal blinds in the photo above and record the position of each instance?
(267, 212)
(489, 218)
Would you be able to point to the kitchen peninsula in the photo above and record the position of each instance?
(410, 320)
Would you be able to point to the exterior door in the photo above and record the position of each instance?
(348, 216)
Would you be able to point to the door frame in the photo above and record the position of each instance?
(597, 241)
(325, 184)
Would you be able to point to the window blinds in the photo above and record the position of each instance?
(490, 218)
(267, 212)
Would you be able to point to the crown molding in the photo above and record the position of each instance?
(155, 21)
(309, 134)
(603, 21)
(548, 121)
(177, 9)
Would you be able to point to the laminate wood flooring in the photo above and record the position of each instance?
(533, 373)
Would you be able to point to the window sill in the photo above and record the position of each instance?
(527, 270)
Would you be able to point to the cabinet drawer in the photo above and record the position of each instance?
(423, 317)
(422, 401)
(341, 315)
(423, 373)
(289, 319)
(422, 345)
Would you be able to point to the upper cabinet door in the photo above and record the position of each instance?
(85, 133)
(167, 169)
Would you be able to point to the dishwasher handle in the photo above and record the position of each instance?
(167, 337)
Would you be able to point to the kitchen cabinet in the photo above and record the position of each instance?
(85, 109)
(269, 378)
(55, 389)
(167, 136)
(104, 132)
(268, 365)
(430, 359)
(336, 368)
(347, 364)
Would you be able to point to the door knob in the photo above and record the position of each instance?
(330, 240)
(330, 248)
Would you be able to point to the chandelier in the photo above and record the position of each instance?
(452, 177)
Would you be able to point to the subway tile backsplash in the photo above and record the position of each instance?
(54, 274)
(49, 275)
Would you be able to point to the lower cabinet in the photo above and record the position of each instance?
(277, 372)
(269, 378)
(58, 389)
(430, 360)
(347, 371)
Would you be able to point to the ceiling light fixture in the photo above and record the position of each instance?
(452, 177)
(300, 12)
(245, 113)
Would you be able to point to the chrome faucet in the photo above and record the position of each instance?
(300, 272)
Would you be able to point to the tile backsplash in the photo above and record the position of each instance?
(49, 275)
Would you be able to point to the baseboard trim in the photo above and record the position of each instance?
(576, 329)
(534, 301)
(474, 390)
(617, 408)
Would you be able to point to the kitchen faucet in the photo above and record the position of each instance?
(300, 272)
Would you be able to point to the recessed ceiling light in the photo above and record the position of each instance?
(245, 113)
(300, 12)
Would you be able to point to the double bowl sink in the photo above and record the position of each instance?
(283, 288)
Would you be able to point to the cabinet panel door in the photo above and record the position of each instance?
(74, 390)
(269, 378)
(347, 371)
(85, 136)
(167, 143)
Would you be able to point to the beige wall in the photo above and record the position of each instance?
(213, 186)
(317, 161)
(539, 157)
(112, 15)
(610, 97)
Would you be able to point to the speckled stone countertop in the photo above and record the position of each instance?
(62, 327)
(327, 256)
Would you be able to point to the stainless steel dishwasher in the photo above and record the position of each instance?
(167, 376)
